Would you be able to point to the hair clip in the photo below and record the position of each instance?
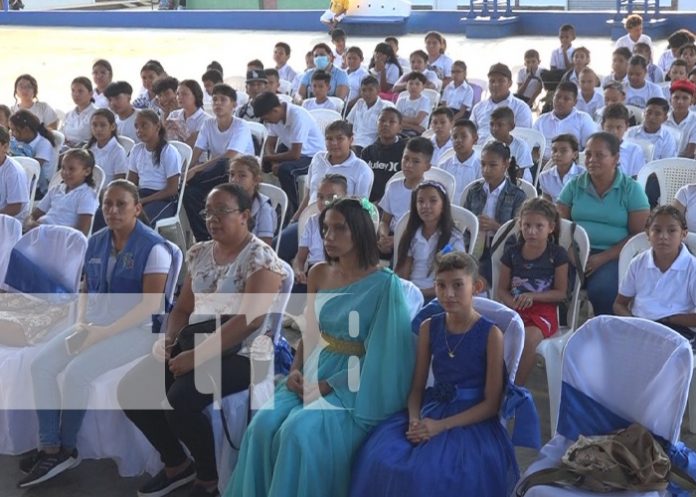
(370, 208)
(434, 184)
(446, 249)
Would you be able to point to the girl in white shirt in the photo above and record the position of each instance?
(639, 90)
(102, 75)
(32, 139)
(385, 67)
(26, 95)
(429, 229)
(356, 72)
(73, 202)
(76, 126)
(183, 124)
(104, 145)
(438, 61)
(419, 63)
(155, 166)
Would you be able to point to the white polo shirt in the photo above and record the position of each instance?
(299, 127)
(685, 123)
(411, 108)
(76, 125)
(287, 73)
(590, 107)
(364, 121)
(492, 198)
(438, 151)
(112, 158)
(551, 182)
(557, 60)
(151, 176)
(656, 294)
(481, 114)
(631, 158)
(264, 215)
(14, 187)
(464, 172)
(396, 201)
(311, 104)
(216, 143)
(534, 84)
(640, 96)
(422, 250)
(126, 127)
(355, 170)
(455, 97)
(577, 123)
(354, 80)
(64, 208)
(311, 238)
(522, 154)
(686, 196)
(100, 100)
(665, 146)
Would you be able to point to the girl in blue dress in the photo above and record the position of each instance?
(351, 370)
(450, 440)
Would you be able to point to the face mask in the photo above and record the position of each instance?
(321, 61)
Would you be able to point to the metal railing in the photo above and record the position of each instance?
(650, 8)
(489, 8)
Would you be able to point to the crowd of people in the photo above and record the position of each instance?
(411, 139)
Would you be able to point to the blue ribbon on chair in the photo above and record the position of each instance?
(519, 404)
(580, 414)
(24, 276)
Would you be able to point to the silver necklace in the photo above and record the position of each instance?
(450, 351)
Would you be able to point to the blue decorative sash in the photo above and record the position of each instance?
(579, 414)
(446, 393)
(519, 404)
(24, 276)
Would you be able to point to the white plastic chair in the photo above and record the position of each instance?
(671, 174)
(526, 187)
(532, 137)
(126, 142)
(433, 96)
(10, 233)
(635, 368)
(172, 228)
(481, 83)
(339, 103)
(432, 174)
(32, 169)
(284, 98)
(447, 155)
(464, 220)
(236, 406)
(97, 175)
(324, 117)
(278, 199)
(636, 113)
(550, 348)
(285, 86)
(259, 132)
(242, 97)
(428, 133)
(647, 147)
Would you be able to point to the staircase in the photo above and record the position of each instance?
(490, 19)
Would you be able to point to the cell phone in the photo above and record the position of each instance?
(74, 341)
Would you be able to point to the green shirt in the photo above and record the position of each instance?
(604, 218)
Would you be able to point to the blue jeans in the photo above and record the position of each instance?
(287, 250)
(602, 286)
(288, 172)
(60, 415)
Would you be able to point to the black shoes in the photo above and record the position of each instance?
(42, 466)
(160, 484)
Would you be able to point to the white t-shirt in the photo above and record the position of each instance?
(265, 217)
(557, 60)
(686, 196)
(442, 66)
(551, 183)
(456, 97)
(43, 150)
(631, 158)
(159, 260)
(64, 208)
(463, 172)
(287, 73)
(626, 41)
(151, 176)
(429, 75)
(180, 128)
(76, 125)
(42, 110)
(355, 170)
(392, 73)
(100, 100)
(640, 96)
(534, 84)
(396, 201)
(112, 158)
(439, 151)
(215, 142)
(656, 294)
(311, 104)
(411, 108)
(364, 121)
(14, 187)
(577, 123)
(665, 60)
(126, 127)
(481, 114)
(590, 107)
(354, 80)
(422, 250)
(311, 238)
(299, 127)
(663, 141)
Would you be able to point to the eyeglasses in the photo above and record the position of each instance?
(216, 213)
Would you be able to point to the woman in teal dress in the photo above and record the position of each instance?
(352, 369)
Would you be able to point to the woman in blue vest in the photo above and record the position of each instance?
(125, 273)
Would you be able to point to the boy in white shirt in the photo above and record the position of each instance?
(465, 165)
(281, 54)
(458, 95)
(321, 82)
(562, 57)
(441, 124)
(590, 96)
(615, 120)
(397, 196)
(14, 187)
(502, 123)
(419, 63)
(364, 114)
(652, 129)
(356, 73)
(634, 28)
(414, 106)
(529, 84)
(338, 39)
(564, 154)
(119, 95)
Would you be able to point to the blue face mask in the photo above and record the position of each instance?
(321, 61)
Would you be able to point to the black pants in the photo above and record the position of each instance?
(197, 191)
(186, 422)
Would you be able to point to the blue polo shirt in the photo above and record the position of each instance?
(338, 78)
(604, 218)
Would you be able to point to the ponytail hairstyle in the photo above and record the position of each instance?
(543, 207)
(25, 119)
(86, 158)
(81, 80)
(152, 116)
(111, 119)
(445, 224)
(502, 150)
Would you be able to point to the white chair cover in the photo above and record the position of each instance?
(636, 368)
(10, 233)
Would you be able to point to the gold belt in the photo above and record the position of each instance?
(346, 347)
